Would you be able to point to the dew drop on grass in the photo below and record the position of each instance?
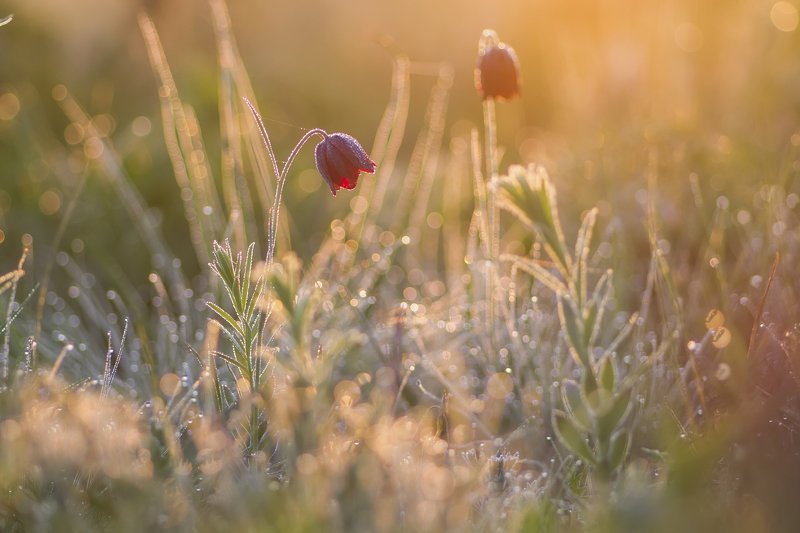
(714, 319)
(721, 337)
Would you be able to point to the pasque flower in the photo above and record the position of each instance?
(497, 74)
(340, 159)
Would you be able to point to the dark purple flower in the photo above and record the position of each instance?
(340, 159)
(497, 75)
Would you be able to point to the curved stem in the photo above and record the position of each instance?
(276, 206)
(279, 174)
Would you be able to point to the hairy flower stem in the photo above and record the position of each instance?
(280, 174)
(276, 206)
(493, 237)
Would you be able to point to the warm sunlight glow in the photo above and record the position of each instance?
(452, 265)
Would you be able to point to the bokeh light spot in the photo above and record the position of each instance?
(715, 319)
(721, 338)
(59, 93)
(104, 124)
(93, 148)
(358, 205)
(410, 293)
(73, 133)
(784, 16)
(435, 220)
(168, 384)
(9, 106)
(49, 202)
(141, 126)
(723, 372)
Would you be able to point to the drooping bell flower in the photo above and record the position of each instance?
(497, 74)
(340, 159)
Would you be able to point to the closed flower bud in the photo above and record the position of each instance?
(497, 74)
(340, 160)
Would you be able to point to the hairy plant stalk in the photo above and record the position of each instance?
(282, 174)
(492, 214)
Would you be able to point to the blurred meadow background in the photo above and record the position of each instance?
(597, 332)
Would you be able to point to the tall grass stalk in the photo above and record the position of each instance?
(10, 282)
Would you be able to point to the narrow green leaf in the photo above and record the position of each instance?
(223, 263)
(589, 385)
(618, 450)
(573, 401)
(582, 244)
(622, 335)
(224, 315)
(217, 386)
(572, 326)
(538, 272)
(236, 343)
(258, 292)
(599, 302)
(571, 437)
(610, 419)
(248, 271)
(228, 359)
(606, 373)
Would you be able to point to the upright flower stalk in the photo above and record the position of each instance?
(496, 77)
